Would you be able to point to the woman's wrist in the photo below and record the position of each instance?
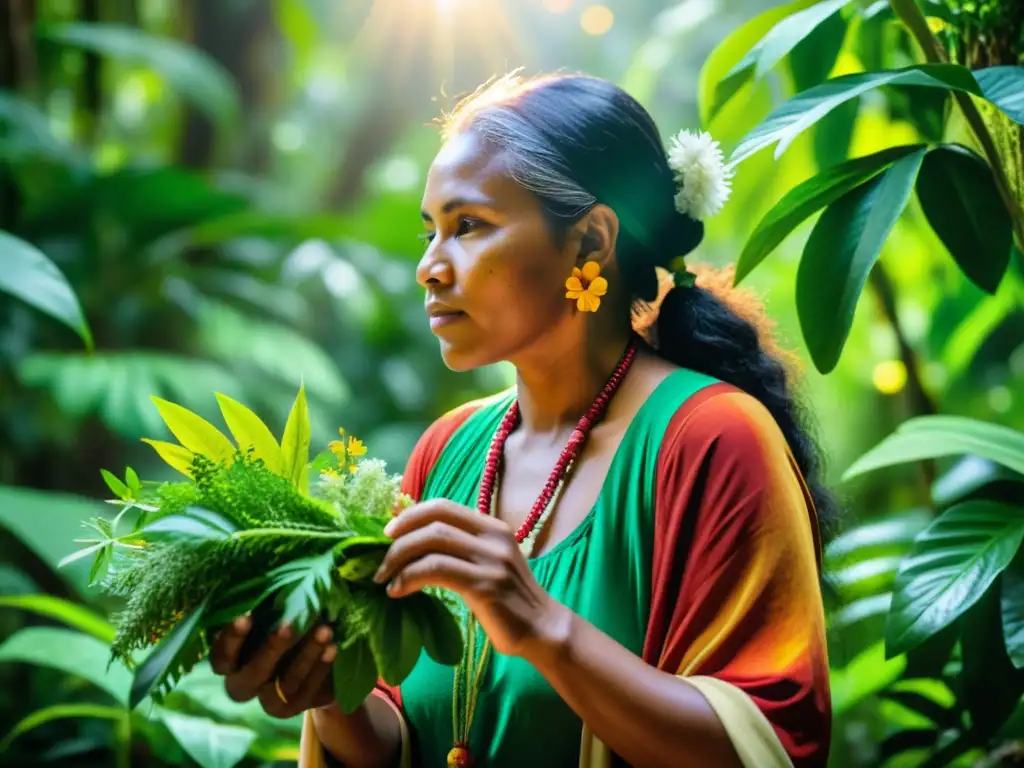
(551, 636)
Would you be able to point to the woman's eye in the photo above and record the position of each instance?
(467, 225)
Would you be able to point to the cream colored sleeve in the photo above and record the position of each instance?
(311, 752)
(752, 736)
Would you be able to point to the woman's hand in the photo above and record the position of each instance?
(302, 683)
(442, 544)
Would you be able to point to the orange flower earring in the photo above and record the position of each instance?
(586, 286)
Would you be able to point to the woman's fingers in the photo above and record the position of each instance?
(245, 682)
(435, 570)
(433, 537)
(224, 654)
(312, 693)
(440, 510)
(293, 679)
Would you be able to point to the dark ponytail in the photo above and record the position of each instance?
(698, 329)
(575, 141)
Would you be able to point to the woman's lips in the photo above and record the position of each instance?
(445, 319)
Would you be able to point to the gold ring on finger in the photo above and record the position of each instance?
(277, 688)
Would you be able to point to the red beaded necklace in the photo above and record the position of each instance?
(459, 755)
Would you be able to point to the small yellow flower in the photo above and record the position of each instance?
(586, 286)
(356, 447)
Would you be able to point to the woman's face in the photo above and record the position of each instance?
(494, 276)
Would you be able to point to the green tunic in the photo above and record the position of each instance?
(602, 571)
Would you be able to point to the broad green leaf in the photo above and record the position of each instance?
(181, 527)
(295, 441)
(1004, 87)
(167, 662)
(177, 457)
(72, 614)
(840, 253)
(787, 122)
(209, 743)
(118, 488)
(395, 641)
(959, 198)
(812, 59)
(72, 652)
(968, 476)
(1011, 608)
(194, 432)
(249, 431)
(888, 533)
(195, 75)
(870, 672)
(715, 86)
(949, 568)
(780, 40)
(931, 437)
(62, 712)
(442, 638)
(808, 198)
(27, 274)
(355, 674)
(213, 519)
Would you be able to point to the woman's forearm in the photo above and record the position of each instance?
(370, 737)
(646, 716)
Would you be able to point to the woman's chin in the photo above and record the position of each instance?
(462, 357)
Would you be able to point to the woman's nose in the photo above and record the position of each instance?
(434, 269)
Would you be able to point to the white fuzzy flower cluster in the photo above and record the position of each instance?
(700, 172)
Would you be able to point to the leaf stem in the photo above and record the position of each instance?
(910, 14)
(290, 532)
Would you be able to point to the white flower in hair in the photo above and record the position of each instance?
(700, 172)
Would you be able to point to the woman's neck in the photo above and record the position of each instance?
(558, 383)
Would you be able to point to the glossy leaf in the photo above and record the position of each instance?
(812, 59)
(960, 199)
(177, 457)
(949, 568)
(787, 122)
(968, 476)
(891, 532)
(194, 432)
(195, 75)
(295, 442)
(931, 437)
(166, 662)
(1011, 607)
(304, 584)
(395, 642)
(249, 431)
(119, 489)
(840, 253)
(715, 86)
(27, 274)
(442, 638)
(61, 712)
(182, 527)
(209, 743)
(74, 615)
(73, 652)
(779, 41)
(808, 198)
(355, 674)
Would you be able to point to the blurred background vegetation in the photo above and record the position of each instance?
(231, 188)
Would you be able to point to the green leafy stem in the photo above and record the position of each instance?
(910, 14)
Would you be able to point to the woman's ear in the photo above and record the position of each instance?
(598, 231)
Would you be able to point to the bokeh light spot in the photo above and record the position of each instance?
(597, 19)
(889, 376)
(557, 6)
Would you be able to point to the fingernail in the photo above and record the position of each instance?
(324, 634)
(285, 631)
(379, 576)
(242, 624)
(329, 653)
(390, 528)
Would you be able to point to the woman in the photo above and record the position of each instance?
(646, 580)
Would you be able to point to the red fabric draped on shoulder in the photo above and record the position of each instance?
(735, 586)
